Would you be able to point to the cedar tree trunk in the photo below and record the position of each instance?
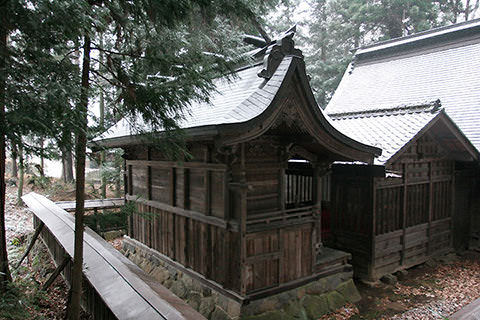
(14, 161)
(21, 174)
(67, 164)
(81, 144)
(5, 276)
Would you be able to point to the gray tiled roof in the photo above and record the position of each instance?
(238, 100)
(389, 129)
(446, 68)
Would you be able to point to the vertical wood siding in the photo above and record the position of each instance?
(207, 249)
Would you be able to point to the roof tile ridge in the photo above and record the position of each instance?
(425, 107)
(452, 28)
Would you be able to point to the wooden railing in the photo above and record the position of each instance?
(279, 218)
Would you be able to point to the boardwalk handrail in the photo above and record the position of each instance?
(121, 284)
(95, 204)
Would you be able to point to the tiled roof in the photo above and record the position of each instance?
(446, 68)
(389, 128)
(237, 100)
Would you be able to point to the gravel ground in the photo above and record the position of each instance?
(18, 219)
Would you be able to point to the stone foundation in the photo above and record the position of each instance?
(309, 301)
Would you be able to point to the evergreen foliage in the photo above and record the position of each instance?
(333, 29)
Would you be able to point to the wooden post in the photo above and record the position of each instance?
(281, 188)
(55, 273)
(430, 208)
(373, 233)
(97, 219)
(243, 221)
(130, 182)
(173, 186)
(208, 182)
(317, 215)
(32, 242)
(452, 205)
(149, 174)
(226, 195)
(186, 188)
(404, 212)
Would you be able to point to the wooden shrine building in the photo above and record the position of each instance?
(243, 214)
(407, 97)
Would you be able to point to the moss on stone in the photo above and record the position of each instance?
(219, 314)
(335, 300)
(349, 291)
(206, 307)
(315, 306)
(272, 315)
(194, 299)
(318, 287)
(179, 289)
(296, 311)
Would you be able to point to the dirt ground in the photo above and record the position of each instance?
(433, 290)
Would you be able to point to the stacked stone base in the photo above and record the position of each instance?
(306, 302)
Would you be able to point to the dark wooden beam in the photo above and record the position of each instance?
(243, 222)
(430, 208)
(32, 242)
(404, 211)
(55, 273)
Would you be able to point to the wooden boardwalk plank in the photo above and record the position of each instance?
(126, 290)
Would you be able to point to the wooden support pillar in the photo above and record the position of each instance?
(226, 195)
(281, 188)
(243, 221)
(97, 219)
(317, 216)
(149, 174)
(130, 182)
(55, 273)
(186, 188)
(32, 242)
(430, 207)
(207, 176)
(317, 200)
(173, 186)
(404, 211)
(452, 204)
(373, 232)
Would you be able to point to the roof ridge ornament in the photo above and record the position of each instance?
(277, 50)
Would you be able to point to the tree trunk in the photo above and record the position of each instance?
(103, 180)
(81, 144)
(21, 174)
(68, 166)
(42, 157)
(14, 161)
(467, 10)
(5, 276)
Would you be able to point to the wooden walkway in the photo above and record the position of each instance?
(122, 287)
(96, 204)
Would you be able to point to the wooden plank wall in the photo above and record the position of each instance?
(264, 173)
(182, 211)
(279, 256)
(187, 209)
(205, 248)
(413, 213)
